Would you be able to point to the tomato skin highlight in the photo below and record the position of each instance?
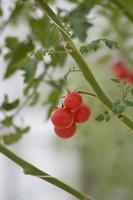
(62, 118)
(82, 114)
(65, 133)
(73, 101)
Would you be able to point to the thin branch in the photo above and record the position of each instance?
(30, 169)
(87, 93)
(71, 71)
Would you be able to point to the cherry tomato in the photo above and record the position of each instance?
(82, 114)
(119, 70)
(67, 132)
(73, 101)
(62, 118)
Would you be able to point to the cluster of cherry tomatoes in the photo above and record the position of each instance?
(121, 72)
(74, 111)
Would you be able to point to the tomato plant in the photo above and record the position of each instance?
(64, 49)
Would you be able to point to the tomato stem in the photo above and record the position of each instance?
(30, 169)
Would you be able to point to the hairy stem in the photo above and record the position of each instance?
(30, 169)
(72, 50)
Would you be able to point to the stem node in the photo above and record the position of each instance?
(69, 47)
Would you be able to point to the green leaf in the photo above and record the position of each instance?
(78, 21)
(106, 113)
(115, 80)
(31, 84)
(7, 121)
(94, 45)
(107, 118)
(52, 101)
(80, 33)
(29, 66)
(58, 56)
(6, 105)
(129, 103)
(132, 92)
(18, 56)
(44, 32)
(15, 137)
(11, 42)
(39, 55)
(119, 107)
(17, 12)
(100, 118)
(50, 110)
(84, 49)
(109, 43)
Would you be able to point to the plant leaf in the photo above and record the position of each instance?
(77, 20)
(129, 103)
(7, 121)
(9, 105)
(17, 57)
(29, 66)
(115, 80)
(119, 107)
(132, 92)
(94, 45)
(100, 118)
(15, 137)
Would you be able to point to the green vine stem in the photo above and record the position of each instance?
(29, 169)
(72, 50)
(127, 13)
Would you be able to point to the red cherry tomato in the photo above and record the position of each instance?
(82, 114)
(119, 70)
(67, 132)
(73, 101)
(62, 118)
